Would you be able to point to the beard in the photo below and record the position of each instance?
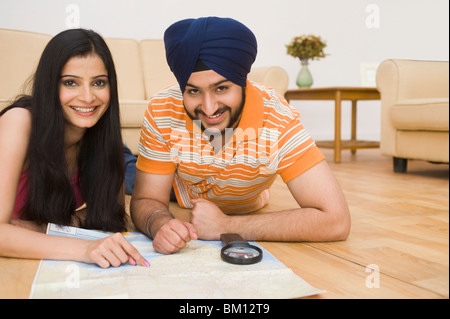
(233, 122)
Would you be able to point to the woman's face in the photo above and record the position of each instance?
(84, 90)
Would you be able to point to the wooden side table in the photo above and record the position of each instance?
(339, 94)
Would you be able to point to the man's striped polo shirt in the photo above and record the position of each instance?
(269, 140)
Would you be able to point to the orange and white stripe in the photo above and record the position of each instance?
(269, 140)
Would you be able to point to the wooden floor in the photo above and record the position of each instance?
(399, 228)
(399, 225)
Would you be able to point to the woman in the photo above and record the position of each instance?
(61, 147)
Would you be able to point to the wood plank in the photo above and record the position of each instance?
(341, 278)
(329, 93)
(399, 223)
(349, 144)
(16, 277)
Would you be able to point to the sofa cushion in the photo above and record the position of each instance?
(5, 102)
(131, 115)
(127, 61)
(421, 114)
(132, 112)
(430, 146)
(157, 74)
(19, 56)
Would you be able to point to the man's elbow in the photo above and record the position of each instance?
(341, 226)
(343, 232)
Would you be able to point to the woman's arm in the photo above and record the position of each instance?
(15, 128)
(114, 250)
(23, 242)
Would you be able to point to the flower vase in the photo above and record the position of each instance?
(304, 78)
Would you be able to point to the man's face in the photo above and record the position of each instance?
(214, 101)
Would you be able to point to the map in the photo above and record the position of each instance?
(196, 271)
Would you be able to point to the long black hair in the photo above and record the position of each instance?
(100, 158)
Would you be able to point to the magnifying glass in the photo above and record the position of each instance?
(238, 251)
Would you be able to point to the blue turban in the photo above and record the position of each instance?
(224, 45)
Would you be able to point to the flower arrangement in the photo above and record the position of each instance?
(306, 47)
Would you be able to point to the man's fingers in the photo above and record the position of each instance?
(193, 233)
(198, 200)
(173, 236)
(178, 236)
(177, 230)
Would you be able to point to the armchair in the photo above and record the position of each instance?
(414, 111)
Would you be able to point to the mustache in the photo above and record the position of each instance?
(219, 111)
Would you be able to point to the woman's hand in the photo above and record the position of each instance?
(113, 251)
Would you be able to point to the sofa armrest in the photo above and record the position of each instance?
(413, 79)
(272, 76)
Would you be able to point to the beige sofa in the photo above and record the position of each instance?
(414, 111)
(141, 69)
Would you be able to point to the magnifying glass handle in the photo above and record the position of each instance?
(232, 239)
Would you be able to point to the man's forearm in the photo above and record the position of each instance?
(301, 224)
(298, 224)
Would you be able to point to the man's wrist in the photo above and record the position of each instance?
(156, 219)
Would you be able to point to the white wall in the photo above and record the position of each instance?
(356, 31)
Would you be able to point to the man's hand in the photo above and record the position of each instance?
(174, 235)
(209, 219)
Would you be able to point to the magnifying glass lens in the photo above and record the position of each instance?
(238, 251)
(245, 252)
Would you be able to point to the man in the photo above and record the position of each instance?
(218, 142)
